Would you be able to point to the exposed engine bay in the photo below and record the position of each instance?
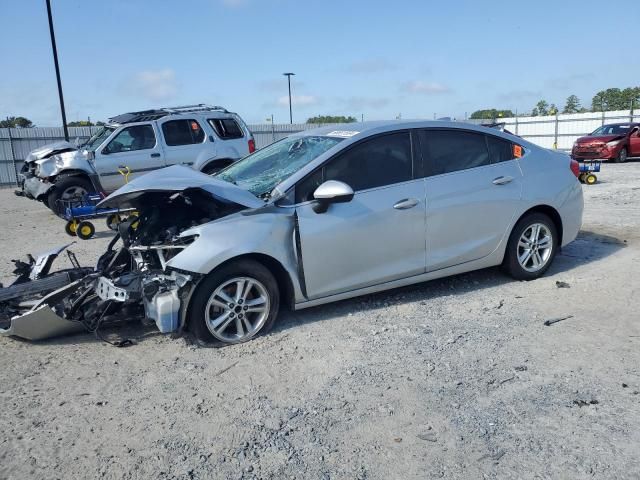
(131, 280)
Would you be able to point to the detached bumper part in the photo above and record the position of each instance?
(40, 324)
(34, 187)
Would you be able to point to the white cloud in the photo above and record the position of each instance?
(426, 88)
(155, 85)
(298, 100)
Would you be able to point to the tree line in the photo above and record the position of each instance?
(22, 122)
(603, 101)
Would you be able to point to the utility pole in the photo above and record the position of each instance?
(55, 62)
(288, 75)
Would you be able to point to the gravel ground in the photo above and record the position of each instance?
(457, 378)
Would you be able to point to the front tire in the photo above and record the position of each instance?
(622, 156)
(69, 188)
(235, 303)
(532, 247)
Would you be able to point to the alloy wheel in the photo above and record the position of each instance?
(73, 192)
(237, 309)
(535, 247)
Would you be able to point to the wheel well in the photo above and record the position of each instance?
(550, 212)
(280, 274)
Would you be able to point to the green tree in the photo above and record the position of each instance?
(80, 123)
(630, 95)
(572, 105)
(331, 119)
(541, 108)
(491, 114)
(13, 122)
(553, 109)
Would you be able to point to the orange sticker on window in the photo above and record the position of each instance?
(517, 151)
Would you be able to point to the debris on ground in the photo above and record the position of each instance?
(551, 321)
(560, 284)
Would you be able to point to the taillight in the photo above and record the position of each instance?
(575, 168)
(252, 145)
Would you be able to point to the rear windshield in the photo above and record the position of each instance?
(612, 130)
(262, 171)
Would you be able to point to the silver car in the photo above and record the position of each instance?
(329, 214)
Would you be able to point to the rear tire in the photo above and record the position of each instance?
(622, 156)
(235, 303)
(532, 246)
(67, 188)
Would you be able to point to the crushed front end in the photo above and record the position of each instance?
(131, 279)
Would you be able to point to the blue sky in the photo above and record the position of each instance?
(372, 58)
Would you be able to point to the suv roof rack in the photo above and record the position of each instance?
(148, 115)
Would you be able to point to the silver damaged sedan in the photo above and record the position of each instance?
(329, 214)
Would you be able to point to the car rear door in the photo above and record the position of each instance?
(134, 146)
(184, 139)
(376, 237)
(473, 185)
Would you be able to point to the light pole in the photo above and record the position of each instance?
(288, 75)
(55, 62)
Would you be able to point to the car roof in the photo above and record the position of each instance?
(360, 130)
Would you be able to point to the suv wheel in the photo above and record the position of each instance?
(532, 247)
(68, 188)
(235, 303)
(622, 156)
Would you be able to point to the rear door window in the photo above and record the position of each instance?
(226, 128)
(446, 151)
(500, 150)
(182, 132)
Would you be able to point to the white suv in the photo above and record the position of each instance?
(204, 137)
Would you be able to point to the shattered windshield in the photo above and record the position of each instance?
(99, 137)
(261, 172)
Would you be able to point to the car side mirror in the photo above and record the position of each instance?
(90, 154)
(331, 191)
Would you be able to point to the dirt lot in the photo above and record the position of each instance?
(456, 378)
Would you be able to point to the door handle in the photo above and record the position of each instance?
(155, 155)
(502, 180)
(406, 204)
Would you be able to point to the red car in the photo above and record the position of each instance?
(616, 142)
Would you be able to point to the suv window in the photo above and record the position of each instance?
(182, 132)
(383, 160)
(137, 137)
(500, 150)
(226, 128)
(446, 151)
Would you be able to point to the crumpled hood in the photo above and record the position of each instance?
(178, 178)
(598, 139)
(49, 149)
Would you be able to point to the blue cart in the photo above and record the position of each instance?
(588, 170)
(79, 212)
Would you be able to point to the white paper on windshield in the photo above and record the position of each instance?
(342, 133)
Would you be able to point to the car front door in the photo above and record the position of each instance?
(634, 143)
(134, 147)
(473, 185)
(376, 237)
(184, 141)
